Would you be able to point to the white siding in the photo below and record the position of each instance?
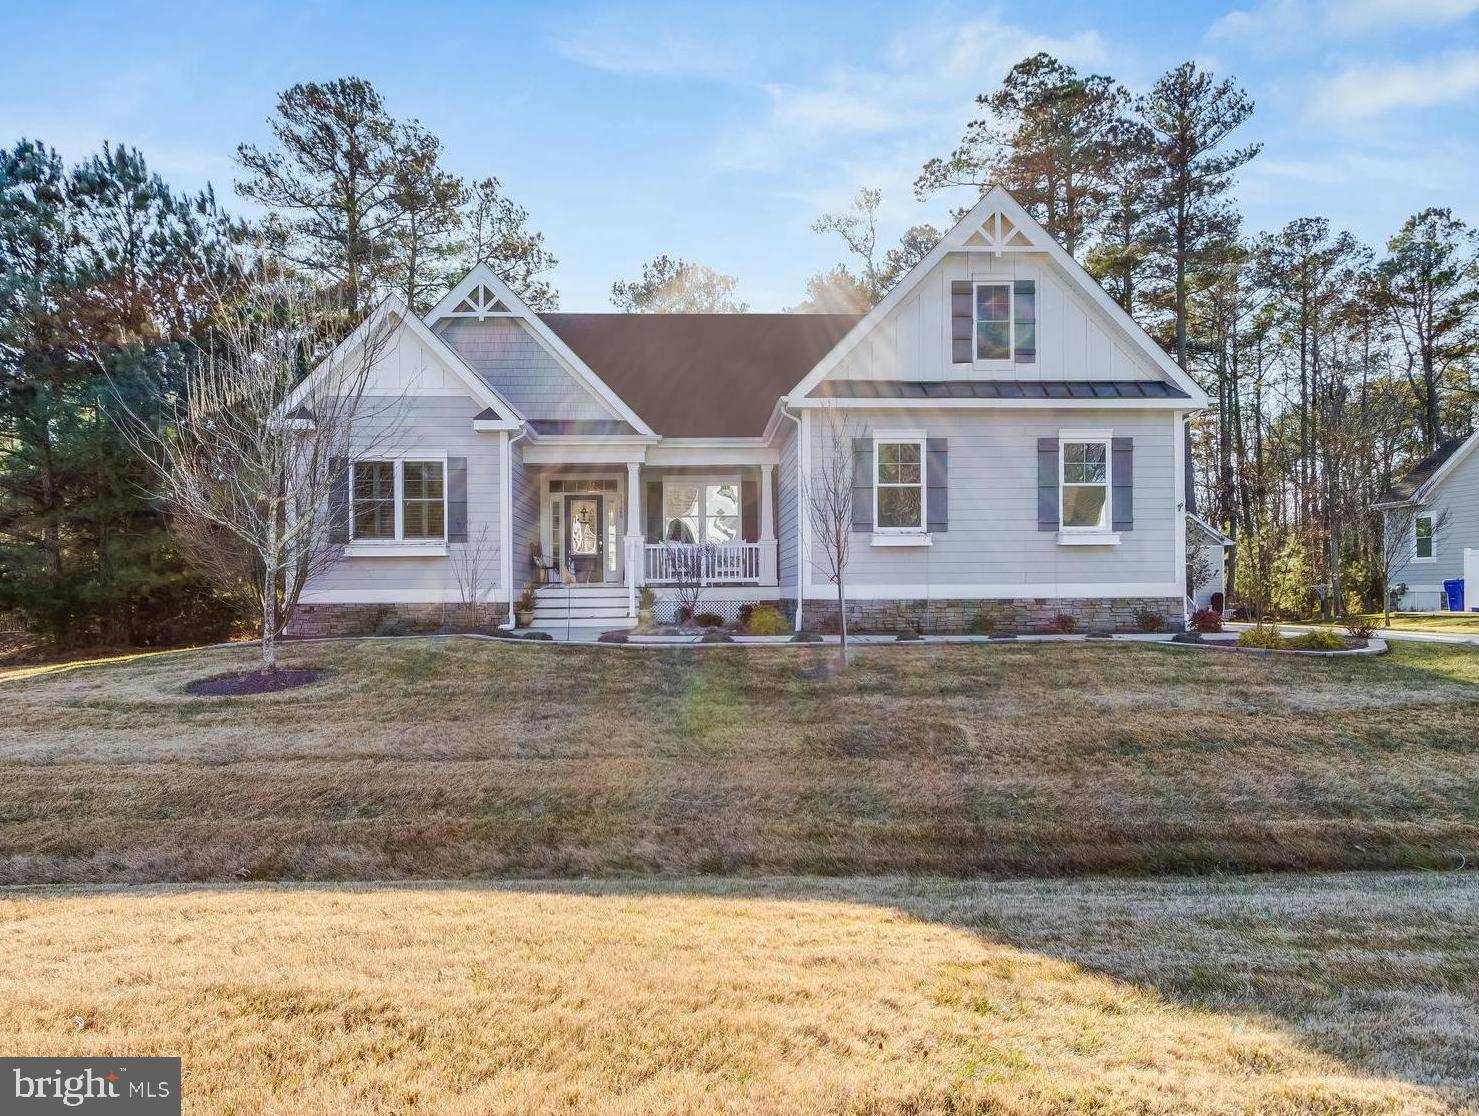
(1457, 496)
(510, 358)
(432, 425)
(993, 538)
(1075, 339)
(526, 525)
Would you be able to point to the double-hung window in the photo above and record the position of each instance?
(701, 512)
(1006, 320)
(398, 500)
(898, 483)
(1084, 492)
(1424, 541)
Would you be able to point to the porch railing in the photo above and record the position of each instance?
(706, 563)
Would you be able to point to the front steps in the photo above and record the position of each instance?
(581, 606)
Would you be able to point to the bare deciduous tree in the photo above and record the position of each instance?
(474, 576)
(683, 568)
(1397, 528)
(253, 458)
(828, 495)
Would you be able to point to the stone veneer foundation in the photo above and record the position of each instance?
(1025, 616)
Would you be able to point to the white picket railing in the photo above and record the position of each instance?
(706, 563)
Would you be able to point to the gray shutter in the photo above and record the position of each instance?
(962, 321)
(862, 484)
(937, 483)
(457, 499)
(339, 482)
(1123, 495)
(1191, 473)
(1024, 325)
(750, 511)
(654, 511)
(1047, 484)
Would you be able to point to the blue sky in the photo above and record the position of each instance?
(720, 132)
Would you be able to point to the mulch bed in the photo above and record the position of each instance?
(255, 682)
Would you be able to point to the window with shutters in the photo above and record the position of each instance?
(399, 500)
(898, 483)
(1084, 488)
(1006, 320)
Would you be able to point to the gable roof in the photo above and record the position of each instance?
(497, 408)
(701, 375)
(997, 223)
(1422, 475)
(481, 294)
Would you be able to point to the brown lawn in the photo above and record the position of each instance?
(1347, 995)
(461, 759)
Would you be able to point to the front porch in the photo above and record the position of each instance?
(596, 527)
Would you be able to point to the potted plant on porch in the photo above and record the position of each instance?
(524, 607)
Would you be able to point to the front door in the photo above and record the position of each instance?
(585, 541)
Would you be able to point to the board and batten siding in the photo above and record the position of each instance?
(1074, 338)
(432, 425)
(1456, 495)
(993, 547)
(511, 359)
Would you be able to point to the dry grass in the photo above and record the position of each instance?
(1336, 995)
(447, 759)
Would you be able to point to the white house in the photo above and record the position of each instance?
(1016, 443)
(1435, 506)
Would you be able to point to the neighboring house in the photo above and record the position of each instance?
(1214, 546)
(1016, 444)
(1435, 506)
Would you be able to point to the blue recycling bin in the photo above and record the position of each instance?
(1453, 593)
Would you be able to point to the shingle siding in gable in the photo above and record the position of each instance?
(514, 362)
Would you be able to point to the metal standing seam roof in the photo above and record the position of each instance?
(998, 389)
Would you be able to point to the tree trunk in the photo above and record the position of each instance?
(842, 618)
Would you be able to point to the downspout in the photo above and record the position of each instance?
(508, 517)
(800, 512)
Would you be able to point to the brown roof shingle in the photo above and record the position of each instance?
(701, 375)
(1405, 487)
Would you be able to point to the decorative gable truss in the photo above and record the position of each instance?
(481, 294)
(998, 234)
(998, 225)
(480, 303)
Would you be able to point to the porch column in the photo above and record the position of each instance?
(767, 527)
(635, 538)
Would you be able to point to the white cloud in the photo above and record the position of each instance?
(630, 44)
(926, 86)
(1360, 92)
(1292, 24)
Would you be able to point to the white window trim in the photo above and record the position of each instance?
(1101, 532)
(399, 546)
(890, 437)
(704, 481)
(1010, 282)
(1432, 534)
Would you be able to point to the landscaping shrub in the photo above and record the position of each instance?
(983, 624)
(766, 620)
(1064, 623)
(1267, 638)
(1321, 639)
(1149, 620)
(393, 627)
(1360, 627)
(709, 620)
(745, 612)
(1206, 620)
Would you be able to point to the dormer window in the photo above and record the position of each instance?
(1006, 320)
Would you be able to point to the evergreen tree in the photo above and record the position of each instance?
(673, 286)
(496, 232)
